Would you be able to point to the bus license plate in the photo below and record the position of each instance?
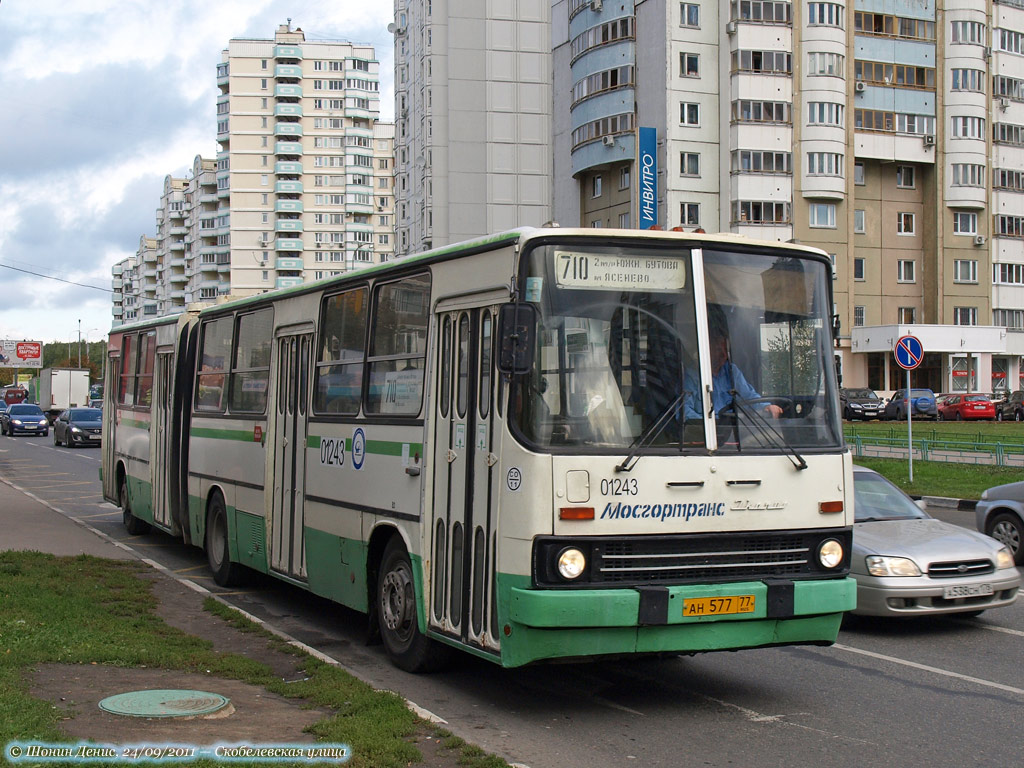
(718, 606)
(967, 590)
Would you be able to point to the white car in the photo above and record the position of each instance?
(907, 563)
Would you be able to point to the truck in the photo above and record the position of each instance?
(62, 388)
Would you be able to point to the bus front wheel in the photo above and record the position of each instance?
(132, 524)
(218, 553)
(408, 648)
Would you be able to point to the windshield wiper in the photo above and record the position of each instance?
(649, 434)
(767, 429)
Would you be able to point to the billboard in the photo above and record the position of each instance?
(647, 163)
(21, 354)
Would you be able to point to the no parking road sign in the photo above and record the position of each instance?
(909, 352)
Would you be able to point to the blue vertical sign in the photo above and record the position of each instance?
(647, 171)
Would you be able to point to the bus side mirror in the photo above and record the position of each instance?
(517, 329)
(836, 327)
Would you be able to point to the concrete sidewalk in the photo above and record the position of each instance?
(28, 523)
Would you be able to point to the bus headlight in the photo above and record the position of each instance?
(830, 553)
(571, 563)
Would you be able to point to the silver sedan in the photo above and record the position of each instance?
(909, 564)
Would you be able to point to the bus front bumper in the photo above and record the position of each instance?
(575, 623)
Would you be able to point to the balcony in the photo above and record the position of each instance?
(292, 71)
(288, 52)
(293, 244)
(287, 282)
(287, 110)
(288, 148)
(288, 167)
(288, 206)
(288, 263)
(288, 129)
(288, 187)
(288, 225)
(288, 91)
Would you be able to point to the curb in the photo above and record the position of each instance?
(963, 505)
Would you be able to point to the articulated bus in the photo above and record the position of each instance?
(521, 446)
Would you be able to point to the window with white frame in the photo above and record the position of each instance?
(965, 315)
(858, 221)
(820, 63)
(968, 80)
(972, 32)
(689, 14)
(966, 127)
(624, 220)
(689, 113)
(761, 161)
(968, 175)
(905, 176)
(858, 316)
(595, 185)
(821, 215)
(689, 164)
(906, 315)
(826, 14)
(596, 224)
(965, 271)
(761, 212)
(905, 223)
(1011, 318)
(825, 113)
(689, 214)
(905, 270)
(1008, 274)
(689, 64)
(858, 268)
(965, 223)
(858, 174)
(624, 177)
(824, 164)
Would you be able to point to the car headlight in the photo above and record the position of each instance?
(1004, 558)
(879, 565)
(856, 406)
(75, 430)
(571, 563)
(830, 553)
(16, 421)
(984, 495)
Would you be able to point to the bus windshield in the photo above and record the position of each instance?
(618, 365)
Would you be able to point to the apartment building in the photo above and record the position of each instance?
(302, 187)
(891, 135)
(473, 105)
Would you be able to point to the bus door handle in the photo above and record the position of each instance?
(742, 482)
(685, 484)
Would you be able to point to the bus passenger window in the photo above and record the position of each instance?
(144, 381)
(126, 386)
(250, 373)
(213, 364)
(398, 347)
(339, 367)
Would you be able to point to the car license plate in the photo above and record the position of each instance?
(967, 590)
(718, 606)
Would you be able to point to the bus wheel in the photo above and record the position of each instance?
(408, 648)
(218, 553)
(132, 524)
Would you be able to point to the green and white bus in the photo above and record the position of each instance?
(520, 446)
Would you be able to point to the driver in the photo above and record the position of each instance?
(727, 380)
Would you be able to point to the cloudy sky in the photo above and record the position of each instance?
(101, 100)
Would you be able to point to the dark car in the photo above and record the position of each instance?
(960, 407)
(1012, 408)
(78, 426)
(860, 403)
(25, 417)
(921, 403)
(1000, 514)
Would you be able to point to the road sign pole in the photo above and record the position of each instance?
(910, 430)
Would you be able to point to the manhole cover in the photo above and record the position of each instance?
(164, 703)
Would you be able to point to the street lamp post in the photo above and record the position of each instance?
(79, 343)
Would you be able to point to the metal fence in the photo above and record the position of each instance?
(979, 449)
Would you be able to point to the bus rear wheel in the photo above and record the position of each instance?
(407, 647)
(132, 524)
(218, 551)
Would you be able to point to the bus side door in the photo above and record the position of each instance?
(462, 527)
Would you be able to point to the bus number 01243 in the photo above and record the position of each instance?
(332, 452)
(617, 486)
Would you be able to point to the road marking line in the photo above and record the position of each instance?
(756, 717)
(1004, 630)
(933, 670)
(112, 513)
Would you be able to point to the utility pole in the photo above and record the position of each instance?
(79, 343)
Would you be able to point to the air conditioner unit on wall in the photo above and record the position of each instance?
(929, 140)
(1004, 104)
(730, 28)
(979, 239)
(596, 5)
(860, 86)
(609, 141)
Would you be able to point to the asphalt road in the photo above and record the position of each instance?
(946, 692)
